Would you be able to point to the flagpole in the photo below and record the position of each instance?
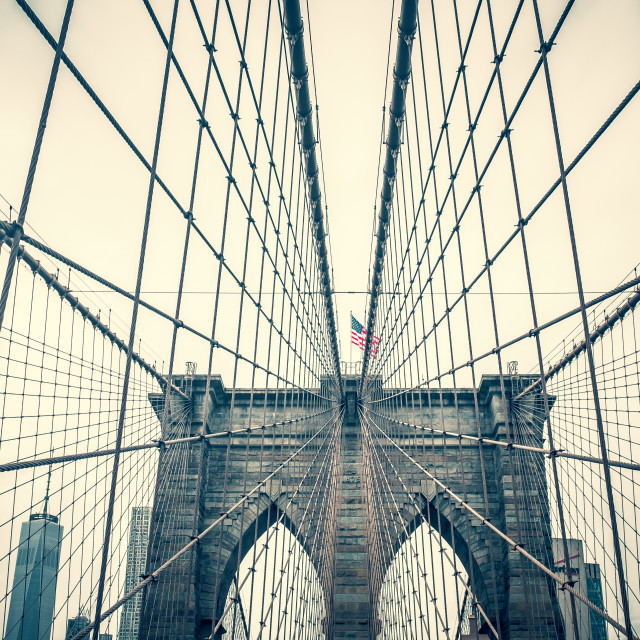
(350, 340)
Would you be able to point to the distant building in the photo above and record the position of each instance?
(594, 593)
(75, 625)
(136, 565)
(587, 581)
(34, 580)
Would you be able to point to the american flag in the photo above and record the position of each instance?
(359, 337)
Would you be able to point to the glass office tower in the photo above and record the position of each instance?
(34, 580)
(594, 593)
(136, 564)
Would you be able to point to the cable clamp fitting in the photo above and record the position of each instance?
(146, 576)
(546, 47)
(303, 117)
(403, 82)
(294, 37)
(15, 228)
(407, 36)
(298, 81)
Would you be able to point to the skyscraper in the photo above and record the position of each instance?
(34, 580)
(594, 593)
(136, 564)
(573, 567)
(75, 625)
(588, 582)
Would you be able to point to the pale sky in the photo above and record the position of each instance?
(90, 191)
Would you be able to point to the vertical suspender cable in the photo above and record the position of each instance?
(33, 164)
(300, 76)
(132, 334)
(401, 74)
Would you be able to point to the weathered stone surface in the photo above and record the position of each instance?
(352, 599)
(197, 484)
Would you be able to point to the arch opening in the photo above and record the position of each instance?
(276, 592)
(426, 589)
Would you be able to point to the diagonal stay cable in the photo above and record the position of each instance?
(76, 305)
(153, 577)
(35, 155)
(525, 220)
(512, 544)
(299, 75)
(110, 117)
(155, 444)
(401, 76)
(529, 334)
(272, 171)
(508, 444)
(34, 264)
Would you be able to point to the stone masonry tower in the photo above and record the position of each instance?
(508, 590)
(352, 600)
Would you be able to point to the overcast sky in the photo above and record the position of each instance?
(90, 191)
(89, 194)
